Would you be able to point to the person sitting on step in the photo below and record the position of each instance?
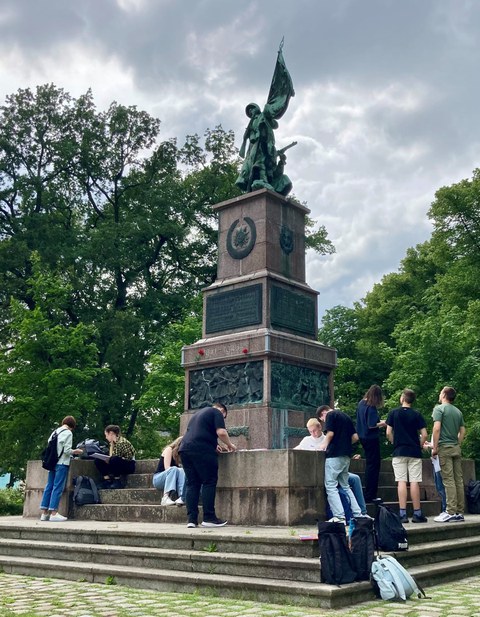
(121, 460)
(170, 475)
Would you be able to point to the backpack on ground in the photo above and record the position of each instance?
(390, 534)
(393, 581)
(85, 491)
(347, 508)
(336, 563)
(362, 546)
(49, 455)
(473, 496)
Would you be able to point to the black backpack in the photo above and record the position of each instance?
(336, 563)
(50, 455)
(362, 546)
(85, 491)
(390, 534)
(473, 496)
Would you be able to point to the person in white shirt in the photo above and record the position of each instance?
(315, 441)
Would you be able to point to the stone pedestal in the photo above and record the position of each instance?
(259, 354)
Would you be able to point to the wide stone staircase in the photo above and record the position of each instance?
(131, 539)
(266, 564)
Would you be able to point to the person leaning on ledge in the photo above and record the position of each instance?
(199, 453)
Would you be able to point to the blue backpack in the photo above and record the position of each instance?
(393, 581)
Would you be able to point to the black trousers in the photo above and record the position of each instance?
(372, 467)
(201, 474)
(116, 467)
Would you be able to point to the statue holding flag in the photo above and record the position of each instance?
(263, 165)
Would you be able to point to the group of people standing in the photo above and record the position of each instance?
(188, 467)
(406, 430)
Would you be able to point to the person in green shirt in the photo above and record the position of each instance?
(448, 434)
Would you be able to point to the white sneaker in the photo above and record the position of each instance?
(166, 501)
(335, 519)
(45, 517)
(443, 517)
(179, 502)
(58, 518)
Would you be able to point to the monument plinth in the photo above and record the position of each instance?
(258, 353)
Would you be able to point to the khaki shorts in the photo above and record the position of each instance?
(407, 469)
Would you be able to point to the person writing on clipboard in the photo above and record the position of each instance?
(119, 462)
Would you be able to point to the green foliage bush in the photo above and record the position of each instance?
(11, 501)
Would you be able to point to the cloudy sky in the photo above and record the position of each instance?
(386, 108)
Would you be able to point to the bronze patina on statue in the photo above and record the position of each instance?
(263, 165)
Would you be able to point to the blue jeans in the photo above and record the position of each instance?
(336, 472)
(172, 479)
(437, 476)
(54, 488)
(356, 485)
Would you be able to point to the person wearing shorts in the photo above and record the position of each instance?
(406, 429)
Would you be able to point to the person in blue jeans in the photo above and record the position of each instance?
(57, 478)
(437, 476)
(315, 441)
(340, 435)
(170, 476)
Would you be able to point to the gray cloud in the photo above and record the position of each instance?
(385, 112)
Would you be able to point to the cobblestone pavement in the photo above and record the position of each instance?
(23, 596)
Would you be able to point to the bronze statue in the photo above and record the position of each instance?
(263, 165)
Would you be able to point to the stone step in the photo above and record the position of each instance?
(283, 543)
(131, 496)
(139, 480)
(429, 508)
(244, 587)
(141, 512)
(208, 560)
(144, 505)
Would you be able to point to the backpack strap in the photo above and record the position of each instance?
(94, 488)
(78, 484)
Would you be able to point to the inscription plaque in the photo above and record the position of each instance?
(234, 309)
(292, 310)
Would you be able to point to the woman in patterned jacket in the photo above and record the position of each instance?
(121, 459)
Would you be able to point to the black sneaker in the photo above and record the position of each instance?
(216, 522)
(105, 484)
(116, 484)
(419, 519)
(404, 519)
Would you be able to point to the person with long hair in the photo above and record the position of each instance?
(170, 476)
(368, 430)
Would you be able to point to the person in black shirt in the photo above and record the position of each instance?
(340, 434)
(406, 429)
(199, 453)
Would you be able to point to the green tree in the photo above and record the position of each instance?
(47, 373)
